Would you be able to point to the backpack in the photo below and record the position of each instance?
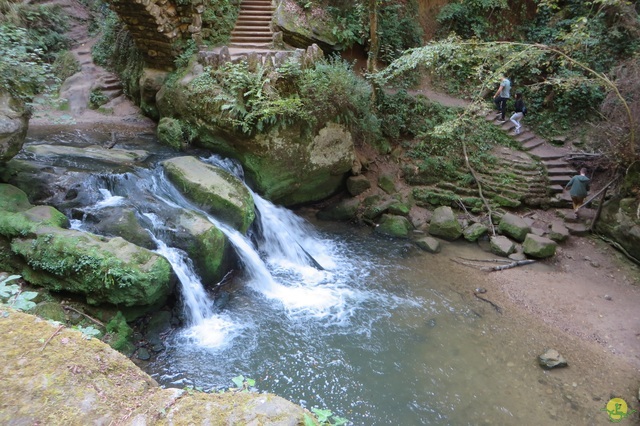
(524, 110)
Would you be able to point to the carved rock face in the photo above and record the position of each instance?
(14, 122)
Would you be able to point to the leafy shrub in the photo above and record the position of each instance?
(470, 18)
(22, 69)
(97, 99)
(398, 29)
(116, 51)
(119, 334)
(65, 65)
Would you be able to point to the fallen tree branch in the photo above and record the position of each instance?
(60, 327)
(69, 308)
(496, 307)
(487, 260)
(509, 266)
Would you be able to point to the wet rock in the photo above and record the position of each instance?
(94, 153)
(428, 244)
(143, 354)
(539, 247)
(216, 190)
(444, 224)
(552, 359)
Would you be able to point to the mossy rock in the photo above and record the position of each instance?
(387, 184)
(75, 380)
(169, 132)
(444, 224)
(207, 246)
(344, 210)
(474, 231)
(13, 199)
(539, 247)
(394, 226)
(214, 189)
(102, 270)
(514, 226)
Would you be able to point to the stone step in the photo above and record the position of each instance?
(555, 163)
(259, 27)
(544, 153)
(250, 44)
(251, 33)
(507, 126)
(554, 171)
(532, 143)
(556, 188)
(577, 229)
(257, 8)
(254, 17)
(559, 180)
(525, 136)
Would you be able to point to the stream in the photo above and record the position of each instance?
(326, 315)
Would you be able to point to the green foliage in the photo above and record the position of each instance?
(119, 333)
(88, 332)
(351, 23)
(256, 101)
(324, 418)
(218, 19)
(116, 51)
(398, 29)
(45, 26)
(65, 65)
(23, 71)
(97, 99)
(242, 383)
(12, 294)
(471, 18)
(402, 115)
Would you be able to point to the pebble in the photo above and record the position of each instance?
(481, 290)
(607, 297)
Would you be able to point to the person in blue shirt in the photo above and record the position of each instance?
(578, 188)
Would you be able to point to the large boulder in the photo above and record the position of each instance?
(214, 189)
(619, 221)
(207, 246)
(539, 247)
(287, 163)
(514, 226)
(444, 224)
(301, 28)
(81, 381)
(35, 244)
(14, 122)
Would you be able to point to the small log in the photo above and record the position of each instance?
(509, 266)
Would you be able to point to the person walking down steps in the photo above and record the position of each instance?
(520, 111)
(578, 188)
(502, 96)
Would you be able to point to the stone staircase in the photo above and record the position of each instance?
(253, 27)
(558, 172)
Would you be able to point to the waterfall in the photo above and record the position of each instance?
(287, 262)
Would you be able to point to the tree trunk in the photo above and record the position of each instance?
(373, 36)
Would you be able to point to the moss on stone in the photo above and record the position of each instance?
(13, 199)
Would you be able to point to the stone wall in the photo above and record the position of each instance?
(156, 26)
